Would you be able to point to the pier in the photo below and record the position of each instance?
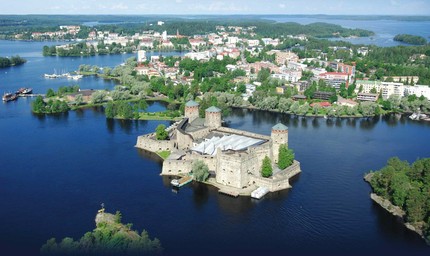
(31, 95)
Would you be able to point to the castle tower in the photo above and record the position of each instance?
(213, 117)
(279, 136)
(191, 110)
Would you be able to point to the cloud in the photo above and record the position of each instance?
(178, 1)
(119, 6)
(219, 7)
(282, 6)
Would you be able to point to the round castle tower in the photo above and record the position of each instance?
(213, 117)
(191, 110)
(279, 136)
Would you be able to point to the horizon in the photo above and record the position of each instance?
(218, 7)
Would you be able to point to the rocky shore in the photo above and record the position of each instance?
(395, 210)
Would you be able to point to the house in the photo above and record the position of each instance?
(86, 95)
(346, 102)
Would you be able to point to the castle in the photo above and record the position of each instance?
(234, 157)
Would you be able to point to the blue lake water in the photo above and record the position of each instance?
(57, 170)
(385, 29)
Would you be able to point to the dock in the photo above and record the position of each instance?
(30, 95)
(228, 192)
(182, 181)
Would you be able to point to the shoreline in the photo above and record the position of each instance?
(394, 210)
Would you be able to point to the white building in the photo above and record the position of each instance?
(141, 56)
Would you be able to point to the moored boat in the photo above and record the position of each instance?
(9, 97)
(24, 91)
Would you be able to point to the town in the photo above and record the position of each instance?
(296, 74)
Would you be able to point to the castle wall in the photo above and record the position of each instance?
(148, 142)
(200, 133)
(176, 167)
(280, 180)
(244, 133)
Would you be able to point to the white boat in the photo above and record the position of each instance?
(259, 192)
(414, 116)
(175, 182)
(74, 77)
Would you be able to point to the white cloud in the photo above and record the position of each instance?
(282, 6)
(119, 6)
(178, 1)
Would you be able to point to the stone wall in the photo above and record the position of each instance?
(280, 180)
(148, 142)
(200, 133)
(244, 133)
(176, 167)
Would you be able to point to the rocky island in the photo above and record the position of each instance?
(403, 190)
(110, 237)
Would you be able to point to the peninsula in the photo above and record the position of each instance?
(235, 158)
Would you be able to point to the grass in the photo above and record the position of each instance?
(163, 154)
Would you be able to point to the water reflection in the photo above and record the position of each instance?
(200, 193)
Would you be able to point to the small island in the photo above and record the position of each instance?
(403, 190)
(12, 61)
(110, 237)
(410, 39)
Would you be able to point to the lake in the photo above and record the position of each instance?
(385, 29)
(57, 170)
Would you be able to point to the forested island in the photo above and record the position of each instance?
(410, 39)
(12, 61)
(403, 189)
(110, 237)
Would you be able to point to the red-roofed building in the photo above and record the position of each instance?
(324, 104)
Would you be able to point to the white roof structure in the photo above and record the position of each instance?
(228, 142)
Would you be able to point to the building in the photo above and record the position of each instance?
(322, 95)
(233, 156)
(385, 88)
(282, 58)
(141, 56)
(362, 96)
(335, 79)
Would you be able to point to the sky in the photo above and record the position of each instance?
(184, 7)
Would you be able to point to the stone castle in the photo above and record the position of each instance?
(234, 157)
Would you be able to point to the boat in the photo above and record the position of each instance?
(74, 77)
(9, 97)
(24, 91)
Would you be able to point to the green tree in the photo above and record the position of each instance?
(285, 157)
(161, 133)
(98, 97)
(266, 168)
(200, 171)
(50, 93)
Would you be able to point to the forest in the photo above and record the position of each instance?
(407, 186)
(410, 39)
(12, 61)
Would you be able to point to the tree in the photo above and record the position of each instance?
(266, 168)
(200, 171)
(160, 132)
(110, 110)
(79, 99)
(50, 93)
(98, 97)
(285, 157)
